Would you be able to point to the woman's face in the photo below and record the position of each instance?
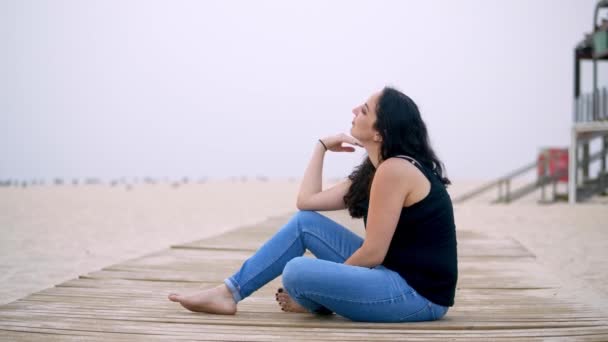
(364, 120)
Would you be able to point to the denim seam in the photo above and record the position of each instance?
(310, 293)
(395, 279)
(234, 289)
(419, 311)
(432, 310)
(426, 305)
(324, 243)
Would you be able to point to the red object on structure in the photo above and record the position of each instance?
(552, 162)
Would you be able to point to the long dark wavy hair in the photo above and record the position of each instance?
(403, 133)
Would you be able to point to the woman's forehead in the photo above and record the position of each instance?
(373, 99)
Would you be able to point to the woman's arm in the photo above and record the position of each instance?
(311, 196)
(391, 185)
(312, 180)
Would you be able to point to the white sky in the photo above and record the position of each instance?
(229, 88)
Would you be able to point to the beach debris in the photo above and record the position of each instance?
(92, 181)
(149, 180)
(261, 178)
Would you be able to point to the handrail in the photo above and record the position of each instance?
(522, 191)
(526, 189)
(494, 183)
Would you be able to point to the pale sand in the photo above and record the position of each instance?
(55, 233)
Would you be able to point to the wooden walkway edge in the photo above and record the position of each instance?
(503, 294)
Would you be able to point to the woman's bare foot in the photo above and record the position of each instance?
(288, 304)
(217, 300)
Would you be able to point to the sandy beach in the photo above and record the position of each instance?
(54, 233)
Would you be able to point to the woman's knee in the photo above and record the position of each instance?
(304, 218)
(294, 272)
(307, 216)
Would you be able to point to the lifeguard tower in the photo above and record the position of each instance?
(590, 120)
(589, 127)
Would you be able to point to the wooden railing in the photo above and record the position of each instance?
(503, 183)
(507, 195)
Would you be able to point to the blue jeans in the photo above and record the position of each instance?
(325, 284)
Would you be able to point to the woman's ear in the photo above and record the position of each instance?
(377, 137)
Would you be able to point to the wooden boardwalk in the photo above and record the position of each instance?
(503, 294)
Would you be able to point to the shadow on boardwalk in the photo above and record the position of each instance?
(503, 294)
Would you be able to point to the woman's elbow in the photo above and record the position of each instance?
(300, 204)
(376, 261)
(375, 257)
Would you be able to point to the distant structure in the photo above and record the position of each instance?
(590, 121)
(262, 178)
(92, 181)
(149, 180)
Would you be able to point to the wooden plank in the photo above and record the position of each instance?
(111, 323)
(238, 331)
(503, 294)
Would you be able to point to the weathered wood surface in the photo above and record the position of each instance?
(503, 294)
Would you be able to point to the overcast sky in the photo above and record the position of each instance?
(230, 88)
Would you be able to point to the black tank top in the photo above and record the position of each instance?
(423, 248)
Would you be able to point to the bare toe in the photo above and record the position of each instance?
(288, 304)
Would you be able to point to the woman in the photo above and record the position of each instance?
(404, 270)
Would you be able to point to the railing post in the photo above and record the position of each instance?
(604, 105)
(589, 115)
(499, 191)
(542, 192)
(548, 162)
(604, 151)
(585, 162)
(508, 190)
(572, 167)
(588, 107)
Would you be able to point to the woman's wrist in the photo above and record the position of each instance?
(323, 145)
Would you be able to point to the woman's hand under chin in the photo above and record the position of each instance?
(335, 143)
